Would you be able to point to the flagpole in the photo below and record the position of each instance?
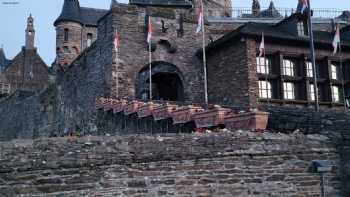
(117, 73)
(313, 61)
(204, 57)
(341, 71)
(116, 66)
(150, 58)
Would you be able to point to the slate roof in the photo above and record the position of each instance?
(72, 11)
(277, 33)
(3, 61)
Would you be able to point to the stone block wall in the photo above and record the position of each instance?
(232, 75)
(236, 164)
(26, 115)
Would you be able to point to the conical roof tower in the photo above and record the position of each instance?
(70, 12)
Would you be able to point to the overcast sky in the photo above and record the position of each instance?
(14, 13)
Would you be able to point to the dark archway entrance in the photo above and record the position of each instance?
(166, 83)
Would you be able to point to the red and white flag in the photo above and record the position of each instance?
(262, 45)
(150, 31)
(116, 41)
(336, 40)
(304, 5)
(200, 20)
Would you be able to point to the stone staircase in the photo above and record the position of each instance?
(203, 117)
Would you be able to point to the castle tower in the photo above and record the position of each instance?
(30, 33)
(68, 33)
(256, 8)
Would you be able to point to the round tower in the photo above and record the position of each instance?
(68, 33)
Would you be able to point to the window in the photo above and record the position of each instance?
(312, 92)
(288, 68)
(66, 32)
(105, 28)
(263, 65)
(89, 39)
(335, 94)
(309, 70)
(288, 91)
(264, 89)
(66, 49)
(301, 29)
(4, 88)
(334, 72)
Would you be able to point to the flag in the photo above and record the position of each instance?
(262, 45)
(116, 41)
(303, 5)
(200, 20)
(149, 35)
(336, 40)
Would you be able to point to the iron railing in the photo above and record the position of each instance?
(279, 12)
(162, 2)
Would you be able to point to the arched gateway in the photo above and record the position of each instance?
(166, 82)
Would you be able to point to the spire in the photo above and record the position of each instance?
(256, 8)
(30, 33)
(70, 12)
(113, 3)
(271, 12)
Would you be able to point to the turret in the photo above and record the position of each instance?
(30, 33)
(256, 8)
(68, 33)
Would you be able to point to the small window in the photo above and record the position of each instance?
(335, 94)
(309, 70)
(105, 28)
(334, 72)
(264, 89)
(312, 92)
(288, 91)
(66, 49)
(66, 34)
(288, 68)
(263, 65)
(5, 88)
(89, 39)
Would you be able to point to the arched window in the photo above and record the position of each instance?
(66, 32)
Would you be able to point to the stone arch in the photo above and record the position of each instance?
(167, 82)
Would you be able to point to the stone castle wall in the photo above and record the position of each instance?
(23, 117)
(237, 164)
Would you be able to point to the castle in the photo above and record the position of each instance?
(87, 65)
(299, 150)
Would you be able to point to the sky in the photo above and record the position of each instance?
(14, 14)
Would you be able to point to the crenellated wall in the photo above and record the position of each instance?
(231, 164)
